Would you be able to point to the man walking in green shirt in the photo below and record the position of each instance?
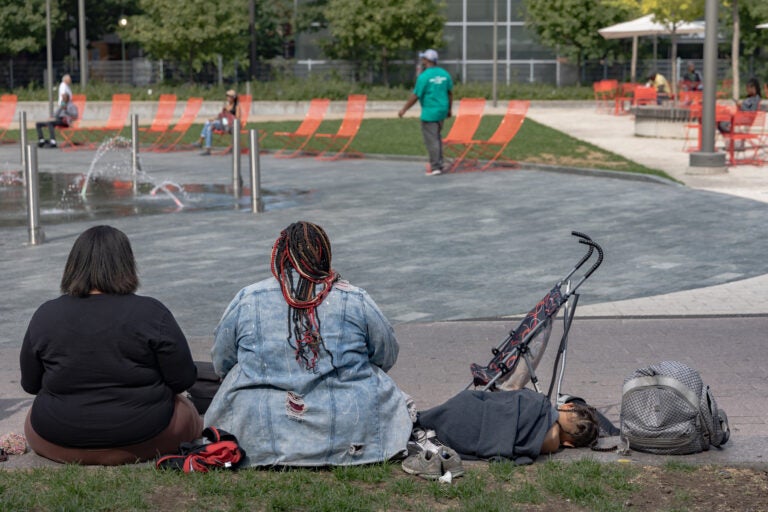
(434, 91)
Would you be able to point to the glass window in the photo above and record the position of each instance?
(523, 46)
(480, 42)
(452, 40)
(453, 10)
(516, 10)
(482, 10)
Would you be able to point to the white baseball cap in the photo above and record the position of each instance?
(430, 55)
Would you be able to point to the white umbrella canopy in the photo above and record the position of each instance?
(645, 26)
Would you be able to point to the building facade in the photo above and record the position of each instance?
(469, 45)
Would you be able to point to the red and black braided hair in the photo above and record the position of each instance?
(301, 262)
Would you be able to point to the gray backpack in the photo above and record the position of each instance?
(666, 409)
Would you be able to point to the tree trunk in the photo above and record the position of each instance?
(735, 50)
(385, 67)
(673, 71)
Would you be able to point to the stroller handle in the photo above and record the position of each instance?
(592, 244)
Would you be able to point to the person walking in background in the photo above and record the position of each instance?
(303, 356)
(434, 92)
(106, 365)
(65, 87)
(64, 115)
(226, 121)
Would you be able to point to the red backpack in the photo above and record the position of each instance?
(220, 451)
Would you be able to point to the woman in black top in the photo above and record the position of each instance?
(106, 365)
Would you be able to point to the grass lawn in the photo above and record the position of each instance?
(585, 485)
(534, 143)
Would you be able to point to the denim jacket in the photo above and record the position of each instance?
(345, 411)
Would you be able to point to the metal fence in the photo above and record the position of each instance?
(141, 71)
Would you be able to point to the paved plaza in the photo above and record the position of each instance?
(453, 260)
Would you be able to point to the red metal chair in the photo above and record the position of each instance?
(746, 136)
(605, 93)
(645, 95)
(625, 95)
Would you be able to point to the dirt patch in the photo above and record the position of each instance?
(702, 489)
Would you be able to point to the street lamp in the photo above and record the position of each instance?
(123, 23)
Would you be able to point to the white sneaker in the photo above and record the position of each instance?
(434, 172)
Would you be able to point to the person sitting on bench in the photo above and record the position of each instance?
(64, 115)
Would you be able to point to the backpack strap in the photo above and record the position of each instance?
(662, 380)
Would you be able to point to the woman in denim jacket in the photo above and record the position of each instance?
(303, 358)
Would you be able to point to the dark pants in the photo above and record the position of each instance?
(186, 425)
(433, 139)
(52, 124)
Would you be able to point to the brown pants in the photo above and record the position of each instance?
(185, 426)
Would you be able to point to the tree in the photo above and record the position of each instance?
(748, 14)
(195, 31)
(373, 32)
(572, 26)
(22, 25)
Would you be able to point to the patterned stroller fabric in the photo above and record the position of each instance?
(538, 319)
(529, 339)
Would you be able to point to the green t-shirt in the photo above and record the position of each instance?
(432, 89)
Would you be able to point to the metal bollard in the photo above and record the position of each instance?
(23, 144)
(36, 234)
(257, 205)
(237, 179)
(135, 166)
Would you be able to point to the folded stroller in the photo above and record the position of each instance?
(537, 327)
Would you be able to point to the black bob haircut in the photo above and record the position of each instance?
(101, 259)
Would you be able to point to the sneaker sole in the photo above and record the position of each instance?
(427, 476)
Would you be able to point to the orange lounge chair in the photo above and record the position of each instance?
(294, 142)
(166, 107)
(7, 111)
(492, 149)
(89, 138)
(460, 136)
(335, 145)
(67, 133)
(170, 139)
